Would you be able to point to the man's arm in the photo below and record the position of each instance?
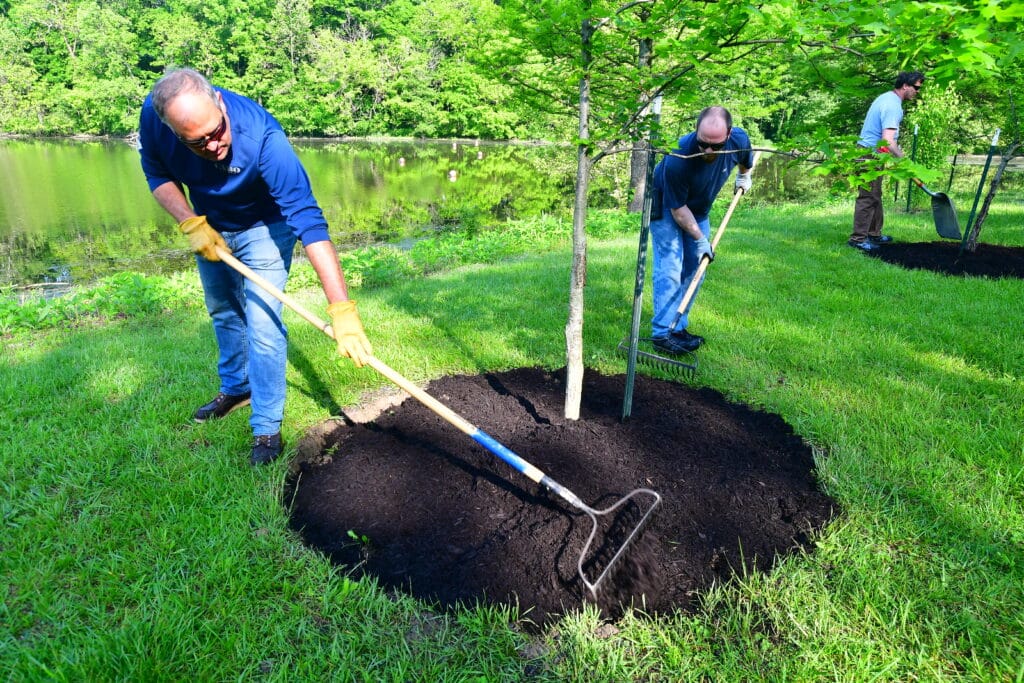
(324, 258)
(348, 328)
(889, 135)
(172, 198)
(686, 222)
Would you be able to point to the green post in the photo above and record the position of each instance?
(977, 196)
(913, 157)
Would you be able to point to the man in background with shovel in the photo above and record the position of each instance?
(249, 195)
(881, 128)
(680, 222)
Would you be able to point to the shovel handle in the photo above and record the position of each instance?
(922, 186)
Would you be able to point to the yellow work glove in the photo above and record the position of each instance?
(202, 238)
(348, 332)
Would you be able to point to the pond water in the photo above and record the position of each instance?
(74, 211)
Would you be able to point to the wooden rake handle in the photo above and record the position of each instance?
(406, 385)
(703, 266)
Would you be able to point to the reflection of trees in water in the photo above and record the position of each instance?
(81, 256)
(396, 190)
(25, 258)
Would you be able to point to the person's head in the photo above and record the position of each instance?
(189, 105)
(908, 83)
(714, 125)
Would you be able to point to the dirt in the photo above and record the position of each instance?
(987, 260)
(412, 501)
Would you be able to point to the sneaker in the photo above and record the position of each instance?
(863, 246)
(688, 338)
(266, 449)
(220, 406)
(673, 345)
(881, 239)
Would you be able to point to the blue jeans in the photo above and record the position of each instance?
(251, 336)
(675, 262)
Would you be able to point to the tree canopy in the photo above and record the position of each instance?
(502, 70)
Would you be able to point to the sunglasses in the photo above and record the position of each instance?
(915, 87)
(713, 146)
(215, 136)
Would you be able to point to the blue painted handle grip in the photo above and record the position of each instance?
(517, 463)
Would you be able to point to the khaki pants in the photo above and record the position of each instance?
(867, 212)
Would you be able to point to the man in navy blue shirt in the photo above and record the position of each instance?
(688, 185)
(249, 194)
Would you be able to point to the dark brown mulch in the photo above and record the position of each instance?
(988, 260)
(416, 503)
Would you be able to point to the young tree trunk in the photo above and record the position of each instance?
(997, 179)
(641, 152)
(578, 276)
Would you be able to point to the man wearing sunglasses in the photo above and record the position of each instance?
(685, 187)
(248, 194)
(880, 131)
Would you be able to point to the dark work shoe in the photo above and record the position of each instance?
(881, 239)
(863, 246)
(688, 338)
(673, 345)
(266, 449)
(220, 406)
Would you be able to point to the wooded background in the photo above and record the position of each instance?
(510, 70)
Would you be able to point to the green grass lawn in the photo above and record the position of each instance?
(137, 546)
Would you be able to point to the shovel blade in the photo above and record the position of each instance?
(946, 222)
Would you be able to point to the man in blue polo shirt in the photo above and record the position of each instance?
(681, 227)
(249, 194)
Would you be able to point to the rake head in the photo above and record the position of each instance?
(654, 499)
(646, 354)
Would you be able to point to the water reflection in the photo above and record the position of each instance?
(79, 210)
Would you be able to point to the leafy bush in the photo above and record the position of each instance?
(118, 296)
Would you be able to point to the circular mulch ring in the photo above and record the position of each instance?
(988, 260)
(414, 502)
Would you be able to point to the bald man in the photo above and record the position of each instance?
(248, 194)
(680, 227)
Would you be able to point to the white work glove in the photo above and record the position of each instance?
(704, 249)
(743, 181)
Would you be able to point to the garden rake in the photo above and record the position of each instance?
(457, 421)
(671, 364)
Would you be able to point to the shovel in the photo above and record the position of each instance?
(454, 419)
(943, 212)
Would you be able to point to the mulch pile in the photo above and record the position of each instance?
(412, 501)
(988, 260)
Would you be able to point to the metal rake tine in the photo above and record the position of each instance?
(672, 364)
(594, 514)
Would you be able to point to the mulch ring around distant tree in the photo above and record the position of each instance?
(416, 503)
(988, 260)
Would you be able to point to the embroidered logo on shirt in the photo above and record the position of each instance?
(230, 170)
